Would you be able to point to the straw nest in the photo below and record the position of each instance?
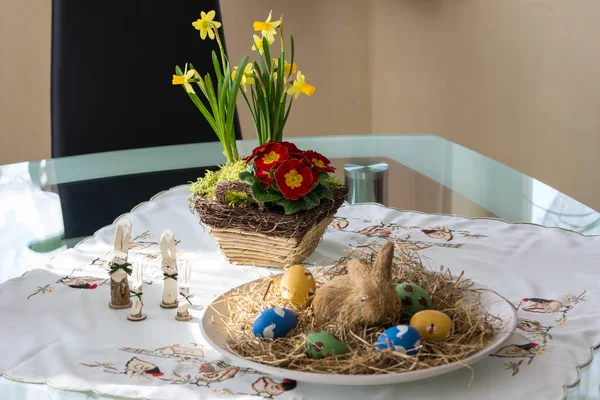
(473, 328)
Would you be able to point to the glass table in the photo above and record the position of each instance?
(50, 205)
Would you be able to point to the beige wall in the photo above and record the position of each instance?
(24, 80)
(517, 80)
(326, 51)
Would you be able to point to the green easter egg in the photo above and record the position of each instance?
(413, 298)
(324, 343)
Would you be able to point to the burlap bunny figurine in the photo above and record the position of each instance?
(363, 297)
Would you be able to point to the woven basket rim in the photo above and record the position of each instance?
(216, 215)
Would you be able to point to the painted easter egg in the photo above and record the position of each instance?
(432, 324)
(324, 343)
(413, 298)
(298, 286)
(274, 323)
(400, 338)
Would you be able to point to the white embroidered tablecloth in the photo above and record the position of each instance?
(58, 329)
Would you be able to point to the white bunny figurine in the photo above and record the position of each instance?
(184, 291)
(169, 268)
(137, 292)
(119, 267)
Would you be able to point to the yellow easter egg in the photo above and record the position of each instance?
(298, 286)
(432, 324)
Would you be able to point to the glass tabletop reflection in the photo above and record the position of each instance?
(48, 206)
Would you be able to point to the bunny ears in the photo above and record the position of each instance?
(122, 240)
(122, 236)
(382, 267)
(138, 273)
(167, 248)
(187, 274)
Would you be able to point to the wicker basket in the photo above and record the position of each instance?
(256, 235)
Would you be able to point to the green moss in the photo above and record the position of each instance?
(333, 183)
(205, 186)
(237, 199)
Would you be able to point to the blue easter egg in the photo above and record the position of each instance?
(274, 323)
(400, 338)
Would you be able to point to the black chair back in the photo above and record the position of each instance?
(112, 66)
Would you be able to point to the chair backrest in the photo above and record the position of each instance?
(112, 67)
(112, 64)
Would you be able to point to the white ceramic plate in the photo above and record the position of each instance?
(216, 336)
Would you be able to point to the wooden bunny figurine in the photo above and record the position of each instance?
(363, 297)
(169, 268)
(119, 267)
(184, 291)
(137, 292)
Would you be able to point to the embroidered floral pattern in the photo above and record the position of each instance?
(194, 355)
(208, 372)
(142, 241)
(82, 282)
(442, 235)
(41, 289)
(439, 232)
(544, 306)
(73, 282)
(138, 368)
(535, 331)
(383, 231)
(107, 366)
(269, 388)
(339, 223)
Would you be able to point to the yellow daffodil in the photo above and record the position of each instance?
(247, 77)
(300, 86)
(286, 67)
(185, 79)
(206, 25)
(258, 44)
(267, 28)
